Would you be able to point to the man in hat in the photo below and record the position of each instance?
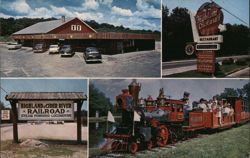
(186, 106)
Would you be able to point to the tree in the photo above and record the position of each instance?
(176, 33)
(98, 102)
(2, 106)
(246, 91)
(228, 92)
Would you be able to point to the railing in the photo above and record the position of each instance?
(106, 35)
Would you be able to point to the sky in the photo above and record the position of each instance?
(43, 85)
(239, 8)
(198, 88)
(134, 14)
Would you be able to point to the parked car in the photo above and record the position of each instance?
(14, 45)
(39, 48)
(92, 54)
(66, 51)
(54, 49)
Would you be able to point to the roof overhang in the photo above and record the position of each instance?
(75, 96)
(98, 35)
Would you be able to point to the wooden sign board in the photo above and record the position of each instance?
(208, 18)
(46, 110)
(206, 61)
(208, 46)
(211, 39)
(5, 114)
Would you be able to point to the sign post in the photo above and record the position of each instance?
(15, 120)
(205, 61)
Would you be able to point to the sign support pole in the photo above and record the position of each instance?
(79, 122)
(15, 121)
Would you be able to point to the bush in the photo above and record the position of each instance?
(217, 67)
(228, 61)
(241, 62)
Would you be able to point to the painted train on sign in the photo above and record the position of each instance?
(148, 123)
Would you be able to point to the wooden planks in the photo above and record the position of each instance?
(46, 96)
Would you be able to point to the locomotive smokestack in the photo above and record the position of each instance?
(134, 89)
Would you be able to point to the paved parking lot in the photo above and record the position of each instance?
(24, 63)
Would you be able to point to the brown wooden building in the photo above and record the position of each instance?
(80, 35)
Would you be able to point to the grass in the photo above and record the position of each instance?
(232, 67)
(192, 73)
(25, 152)
(232, 143)
(94, 152)
(224, 71)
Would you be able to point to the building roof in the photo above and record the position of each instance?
(45, 27)
(46, 96)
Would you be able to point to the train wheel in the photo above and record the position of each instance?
(149, 145)
(162, 137)
(133, 148)
(115, 146)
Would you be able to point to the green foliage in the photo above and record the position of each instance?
(11, 25)
(236, 40)
(231, 92)
(232, 143)
(246, 91)
(105, 27)
(2, 107)
(228, 92)
(177, 31)
(98, 101)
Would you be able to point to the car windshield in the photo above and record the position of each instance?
(66, 46)
(12, 43)
(39, 46)
(92, 50)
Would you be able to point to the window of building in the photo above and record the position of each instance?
(76, 27)
(79, 27)
(73, 27)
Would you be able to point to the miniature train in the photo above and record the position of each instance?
(166, 120)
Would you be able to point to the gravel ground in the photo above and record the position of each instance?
(66, 131)
(59, 141)
(24, 63)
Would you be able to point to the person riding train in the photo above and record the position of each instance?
(187, 107)
(202, 105)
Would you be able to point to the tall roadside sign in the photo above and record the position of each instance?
(206, 25)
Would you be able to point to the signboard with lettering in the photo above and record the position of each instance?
(205, 61)
(211, 39)
(207, 46)
(208, 17)
(5, 114)
(46, 110)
